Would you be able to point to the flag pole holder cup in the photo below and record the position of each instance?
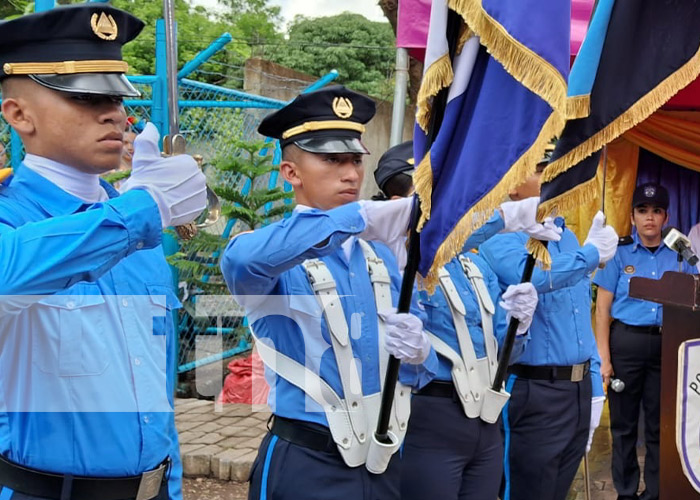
(493, 405)
(379, 454)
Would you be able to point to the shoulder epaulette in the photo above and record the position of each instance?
(625, 240)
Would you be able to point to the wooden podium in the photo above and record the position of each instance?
(680, 295)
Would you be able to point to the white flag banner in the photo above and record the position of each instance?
(688, 410)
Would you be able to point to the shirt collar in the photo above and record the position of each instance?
(54, 200)
(638, 242)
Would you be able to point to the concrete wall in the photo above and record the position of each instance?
(278, 82)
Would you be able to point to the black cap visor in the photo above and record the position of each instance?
(110, 84)
(328, 145)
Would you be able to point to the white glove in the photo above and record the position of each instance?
(603, 237)
(385, 220)
(176, 183)
(596, 410)
(522, 216)
(404, 337)
(520, 301)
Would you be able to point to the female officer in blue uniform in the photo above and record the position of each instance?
(630, 347)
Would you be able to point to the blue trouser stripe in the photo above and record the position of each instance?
(266, 468)
(5, 493)
(506, 444)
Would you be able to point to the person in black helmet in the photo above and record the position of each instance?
(86, 330)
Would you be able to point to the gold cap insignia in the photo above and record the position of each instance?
(629, 269)
(342, 107)
(411, 161)
(105, 26)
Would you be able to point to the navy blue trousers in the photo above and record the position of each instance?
(286, 471)
(449, 456)
(636, 360)
(546, 426)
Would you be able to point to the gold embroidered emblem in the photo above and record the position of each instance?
(411, 161)
(342, 107)
(629, 269)
(104, 26)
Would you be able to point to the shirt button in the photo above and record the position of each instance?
(139, 245)
(146, 420)
(137, 361)
(653, 309)
(70, 304)
(125, 302)
(576, 311)
(352, 275)
(653, 273)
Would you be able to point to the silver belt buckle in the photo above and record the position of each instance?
(577, 372)
(150, 483)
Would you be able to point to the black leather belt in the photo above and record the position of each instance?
(647, 329)
(58, 486)
(306, 434)
(574, 373)
(439, 389)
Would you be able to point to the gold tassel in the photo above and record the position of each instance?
(5, 173)
(636, 113)
(537, 249)
(523, 64)
(483, 209)
(439, 75)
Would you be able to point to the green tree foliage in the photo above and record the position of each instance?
(198, 258)
(361, 50)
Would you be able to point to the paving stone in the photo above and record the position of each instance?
(249, 432)
(208, 408)
(189, 436)
(232, 430)
(207, 438)
(237, 410)
(232, 442)
(253, 443)
(224, 421)
(208, 426)
(203, 417)
(198, 462)
(221, 463)
(186, 426)
(240, 466)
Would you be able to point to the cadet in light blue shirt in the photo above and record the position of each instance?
(321, 303)
(452, 452)
(557, 380)
(86, 332)
(630, 347)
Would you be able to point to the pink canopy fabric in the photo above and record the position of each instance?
(414, 19)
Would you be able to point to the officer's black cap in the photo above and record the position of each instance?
(548, 151)
(75, 49)
(329, 120)
(396, 160)
(650, 193)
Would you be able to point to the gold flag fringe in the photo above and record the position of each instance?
(523, 64)
(423, 183)
(578, 106)
(439, 75)
(569, 201)
(540, 253)
(636, 113)
(483, 209)
(5, 173)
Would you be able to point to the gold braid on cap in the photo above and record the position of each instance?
(65, 67)
(323, 125)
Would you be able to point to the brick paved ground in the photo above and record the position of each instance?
(220, 443)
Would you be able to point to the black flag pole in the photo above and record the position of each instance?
(509, 341)
(454, 24)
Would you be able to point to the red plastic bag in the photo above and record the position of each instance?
(245, 382)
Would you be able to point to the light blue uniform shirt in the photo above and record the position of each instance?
(630, 260)
(439, 317)
(264, 273)
(561, 333)
(86, 334)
